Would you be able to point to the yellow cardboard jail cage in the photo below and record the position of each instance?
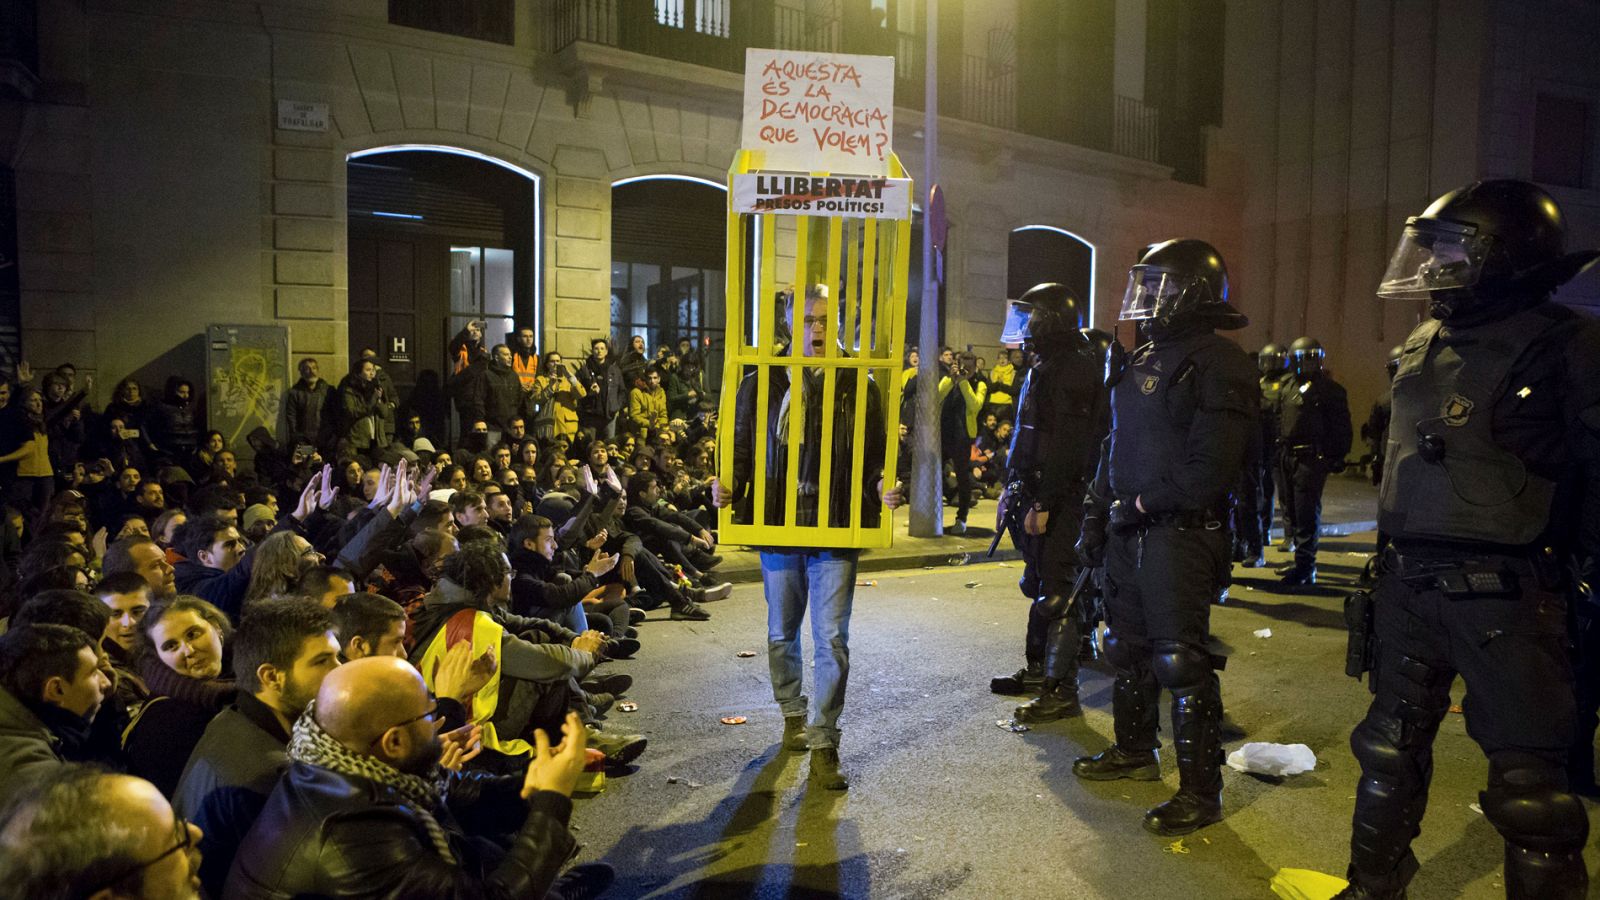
(862, 262)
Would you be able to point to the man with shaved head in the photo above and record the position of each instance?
(359, 813)
(79, 831)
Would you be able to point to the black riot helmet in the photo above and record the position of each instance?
(1305, 356)
(1491, 241)
(1046, 315)
(1392, 365)
(1271, 360)
(1177, 282)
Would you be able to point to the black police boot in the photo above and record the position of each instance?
(1114, 762)
(1299, 576)
(1057, 700)
(1025, 680)
(1197, 742)
(1134, 719)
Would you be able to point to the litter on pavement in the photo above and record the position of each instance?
(734, 720)
(627, 706)
(745, 654)
(1306, 884)
(1011, 725)
(1278, 760)
(1263, 632)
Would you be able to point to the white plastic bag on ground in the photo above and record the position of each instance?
(1263, 758)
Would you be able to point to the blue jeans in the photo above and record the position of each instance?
(825, 582)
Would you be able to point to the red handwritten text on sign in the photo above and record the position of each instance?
(819, 111)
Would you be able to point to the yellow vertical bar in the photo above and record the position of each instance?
(896, 337)
(870, 270)
(733, 290)
(766, 325)
(852, 278)
(830, 373)
(797, 406)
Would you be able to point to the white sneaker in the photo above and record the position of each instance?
(959, 528)
(719, 592)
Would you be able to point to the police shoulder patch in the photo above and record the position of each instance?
(1456, 411)
(1150, 382)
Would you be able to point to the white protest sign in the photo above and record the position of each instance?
(803, 195)
(819, 112)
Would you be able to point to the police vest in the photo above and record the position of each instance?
(1153, 405)
(1060, 391)
(1444, 477)
(483, 632)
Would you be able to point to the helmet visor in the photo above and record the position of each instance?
(1017, 319)
(1433, 256)
(1150, 291)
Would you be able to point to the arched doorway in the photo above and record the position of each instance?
(438, 236)
(668, 265)
(1037, 254)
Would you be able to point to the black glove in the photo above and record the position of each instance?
(1091, 545)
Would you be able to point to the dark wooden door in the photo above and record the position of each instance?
(399, 291)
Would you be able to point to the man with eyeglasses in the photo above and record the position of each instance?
(817, 580)
(360, 812)
(80, 831)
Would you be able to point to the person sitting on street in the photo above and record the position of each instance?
(80, 831)
(281, 652)
(51, 688)
(360, 813)
(541, 663)
(180, 659)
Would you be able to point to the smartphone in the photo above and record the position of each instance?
(305, 450)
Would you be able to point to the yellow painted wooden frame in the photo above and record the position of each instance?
(870, 310)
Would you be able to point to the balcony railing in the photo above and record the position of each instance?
(715, 33)
(796, 29)
(1136, 130)
(988, 93)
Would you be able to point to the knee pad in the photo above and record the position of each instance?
(1126, 654)
(1532, 813)
(1181, 666)
(1376, 745)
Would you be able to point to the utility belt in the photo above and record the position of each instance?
(1470, 575)
(1125, 516)
(1484, 575)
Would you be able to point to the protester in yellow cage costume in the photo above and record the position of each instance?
(796, 579)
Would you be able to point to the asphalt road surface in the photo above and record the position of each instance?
(944, 803)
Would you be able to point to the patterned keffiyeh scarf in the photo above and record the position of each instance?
(313, 746)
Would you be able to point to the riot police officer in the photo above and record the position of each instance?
(1315, 421)
(1181, 410)
(1273, 364)
(1061, 420)
(1486, 499)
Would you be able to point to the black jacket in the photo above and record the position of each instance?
(325, 834)
(305, 412)
(607, 393)
(870, 455)
(229, 777)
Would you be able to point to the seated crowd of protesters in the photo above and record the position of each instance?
(381, 675)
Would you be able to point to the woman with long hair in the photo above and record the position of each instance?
(280, 560)
(179, 656)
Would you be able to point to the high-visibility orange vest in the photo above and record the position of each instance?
(483, 632)
(526, 370)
